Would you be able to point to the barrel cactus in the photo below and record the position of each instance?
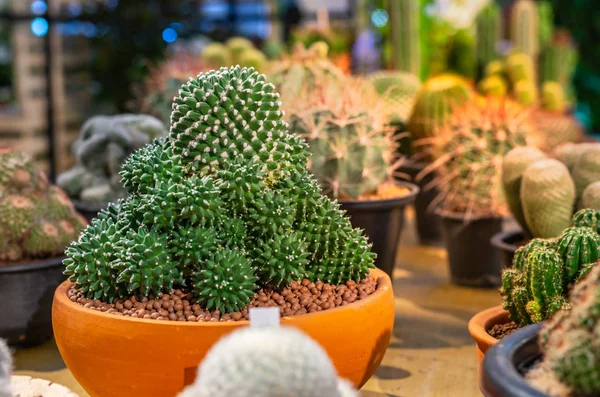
(37, 220)
(235, 51)
(587, 217)
(284, 361)
(590, 198)
(398, 90)
(223, 206)
(103, 145)
(352, 150)
(537, 285)
(587, 170)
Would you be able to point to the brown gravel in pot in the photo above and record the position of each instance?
(298, 298)
(499, 331)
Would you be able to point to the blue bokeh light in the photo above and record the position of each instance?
(39, 27)
(169, 35)
(379, 18)
(39, 7)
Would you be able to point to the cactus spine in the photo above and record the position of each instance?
(489, 33)
(524, 24)
(405, 17)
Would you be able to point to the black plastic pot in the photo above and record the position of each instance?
(506, 363)
(382, 221)
(428, 223)
(507, 244)
(473, 261)
(26, 292)
(88, 211)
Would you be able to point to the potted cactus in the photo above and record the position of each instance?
(538, 284)
(103, 144)
(543, 193)
(354, 159)
(37, 221)
(223, 216)
(558, 358)
(467, 152)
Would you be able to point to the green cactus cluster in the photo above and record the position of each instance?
(37, 220)
(103, 145)
(352, 149)
(542, 193)
(570, 342)
(235, 51)
(221, 207)
(467, 156)
(544, 270)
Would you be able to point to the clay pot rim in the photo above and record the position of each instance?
(30, 264)
(385, 203)
(384, 283)
(481, 322)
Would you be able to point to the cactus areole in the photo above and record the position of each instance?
(224, 206)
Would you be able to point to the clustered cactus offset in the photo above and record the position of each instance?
(221, 207)
(536, 287)
(103, 145)
(37, 220)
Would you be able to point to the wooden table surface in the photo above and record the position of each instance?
(431, 353)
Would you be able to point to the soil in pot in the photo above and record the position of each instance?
(381, 216)
(26, 290)
(499, 331)
(296, 299)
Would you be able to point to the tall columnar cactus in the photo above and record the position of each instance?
(514, 165)
(587, 170)
(398, 90)
(405, 16)
(546, 23)
(547, 197)
(353, 152)
(524, 27)
(37, 220)
(489, 33)
(571, 341)
(468, 154)
(543, 271)
(434, 103)
(590, 198)
(223, 206)
(559, 60)
(284, 360)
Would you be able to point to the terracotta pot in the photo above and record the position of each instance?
(479, 326)
(118, 356)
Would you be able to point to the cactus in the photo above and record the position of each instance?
(352, 149)
(543, 270)
(489, 33)
(524, 27)
(553, 97)
(253, 58)
(37, 220)
(236, 47)
(590, 198)
(493, 86)
(570, 341)
(104, 143)
(514, 165)
(570, 153)
(216, 55)
(398, 90)
(284, 360)
(494, 68)
(525, 93)
(468, 154)
(559, 60)
(437, 96)
(587, 217)
(519, 67)
(406, 30)
(547, 197)
(587, 170)
(224, 205)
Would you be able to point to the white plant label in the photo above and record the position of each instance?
(264, 317)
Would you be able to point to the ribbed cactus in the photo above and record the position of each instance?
(406, 30)
(223, 206)
(37, 220)
(547, 197)
(559, 60)
(283, 362)
(434, 103)
(493, 86)
(519, 67)
(237, 46)
(398, 90)
(216, 55)
(570, 153)
(587, 217)
(103, 145)
(352, 149)
(590, 198)
(468, 154)
(571, 341)
(546, 23)
(514, 165)
(235, 51)
(524, 27)
(587, 170)
(489, 33)
(543, 271)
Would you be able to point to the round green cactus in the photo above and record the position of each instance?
(553, 97)
(590, 198)
(587, 217)
(398, 90)
(281, 258)
(493, 86)
(578, 246)
(216, 55)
